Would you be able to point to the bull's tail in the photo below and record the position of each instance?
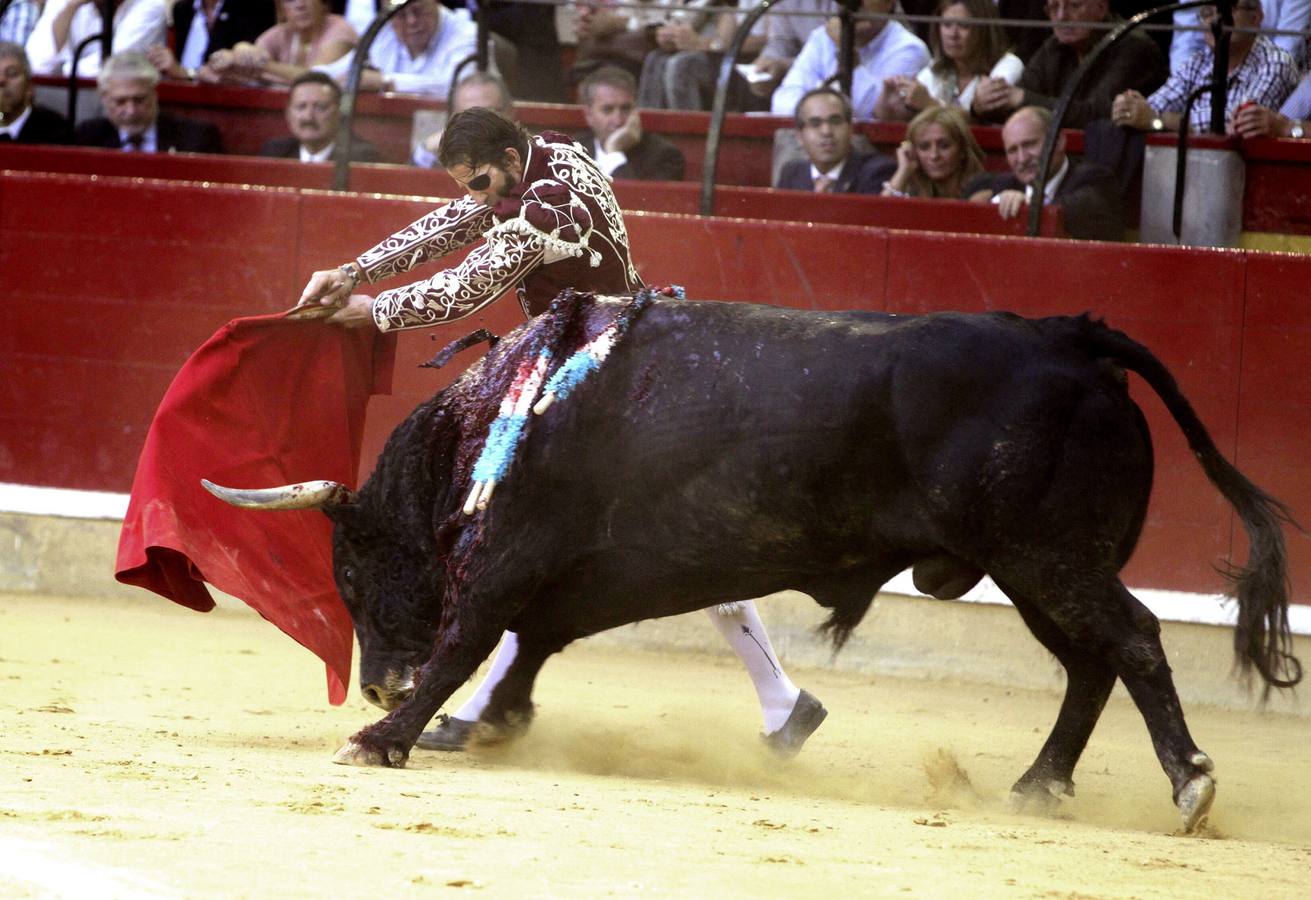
(1261, 638)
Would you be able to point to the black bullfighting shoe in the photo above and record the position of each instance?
(452, 734)
(805, 717)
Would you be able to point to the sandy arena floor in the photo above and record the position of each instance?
(151, 751)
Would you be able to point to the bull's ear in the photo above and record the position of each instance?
(305, 495)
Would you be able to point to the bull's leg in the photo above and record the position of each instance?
(387, 742)
(510, 709)
(1088, 683)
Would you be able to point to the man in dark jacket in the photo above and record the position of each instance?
(1088, 194)
(200, 28)
(22, 121)
(1135, 63)
(132, 119)
(615, 139)
(313, 117)
(831, 165)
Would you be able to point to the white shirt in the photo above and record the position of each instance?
(138, 25)
(431, 71)
(197, 40)
(894, 51)
(149, 141)
(17, 124)
(361, 13)
(944, 88)
(324, 155)
(608, 160)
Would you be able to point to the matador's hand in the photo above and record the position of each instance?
(330, 288)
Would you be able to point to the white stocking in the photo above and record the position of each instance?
(745, 633)
(474, 706)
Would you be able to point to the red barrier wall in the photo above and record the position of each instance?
(117, 280)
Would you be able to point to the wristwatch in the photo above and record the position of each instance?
(1296, 131)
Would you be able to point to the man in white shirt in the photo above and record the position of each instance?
(1280, 15)
(883, 48)
(417, 52)
(138, 25)
(313, 118)
(615, 138)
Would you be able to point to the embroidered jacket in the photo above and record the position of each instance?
(559, 227)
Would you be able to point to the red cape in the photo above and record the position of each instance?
(265, 401)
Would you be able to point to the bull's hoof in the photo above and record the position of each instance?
(356, 754)
(1194, 801)
(1036, 796)
(451, 735)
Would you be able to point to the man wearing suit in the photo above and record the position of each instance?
(831, 165)
(313, 117)
(1088, 194)
(615, 139)
(132, 118)
(202, 26)
(21, 121)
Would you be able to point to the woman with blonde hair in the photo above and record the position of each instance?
(938, 158)
(306, 35)
(963, 55)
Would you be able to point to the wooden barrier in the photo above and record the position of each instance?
(663, 196)
(118, 279)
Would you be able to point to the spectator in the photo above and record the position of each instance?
(1280, 15)
(615, 139)
(939, 157)
(1259, 73)
(417, 52)
(1088, 194)
(132, 118)
(884, 48)
(962, 56)
(313, 117)
(529, 28)
(681, 73)
(138, 25)
(832, 165)
(200, 27)
(785, 36)
(611, 37)
(1135, 63)
(479, 89)
(308, 35)
(21, 120)
(1289, 122)
(19, 20)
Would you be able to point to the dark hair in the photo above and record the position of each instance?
(479, 136)
(313, 77)
(987, 44)
(610, 76)
(822, 92)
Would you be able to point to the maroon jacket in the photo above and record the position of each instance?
(559, 227)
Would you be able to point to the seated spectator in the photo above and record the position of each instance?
(19, 20)
(482, 89)
(529, 29)
(1280, 15)
(138, 25)
(313, 117)
(613, 37)
(884, 47)
(308, 35)
(132, 118)
(1135, 63)
(832, 165)
(1088, 194)
(1290, 122)
(962, 56)
(681, 73)
(200, 27)
(939, 157)
(615, 138)
(785, 34)
(21, 120)
(416, 53)
(1259, 73)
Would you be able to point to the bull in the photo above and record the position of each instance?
(727, 450)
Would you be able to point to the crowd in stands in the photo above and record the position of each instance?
(942, 76)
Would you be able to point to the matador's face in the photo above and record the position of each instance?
(489, 183)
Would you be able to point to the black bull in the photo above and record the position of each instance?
(727, 451)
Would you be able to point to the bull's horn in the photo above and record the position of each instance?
(306, 495)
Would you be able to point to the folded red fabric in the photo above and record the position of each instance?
(265, 401)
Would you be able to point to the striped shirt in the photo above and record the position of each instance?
(19, 20)
(1267, 76)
